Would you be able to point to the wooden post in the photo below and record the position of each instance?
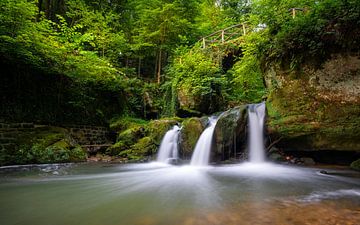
(204, 43)
(222, 36)
(293, 13)
(244, 30)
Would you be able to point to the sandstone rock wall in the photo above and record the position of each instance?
(316, 108)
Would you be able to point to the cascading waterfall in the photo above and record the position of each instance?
(256, 126)
(202, 150)
(169, 146)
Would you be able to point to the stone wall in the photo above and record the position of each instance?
(86, 136)
(9, 133)
(89, 135)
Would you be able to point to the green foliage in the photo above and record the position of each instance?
(322, 28)
(247, 83)
(44, 145)
(195, 78)
(123, 123)
(86, 61)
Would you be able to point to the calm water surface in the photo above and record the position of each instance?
(155, 194)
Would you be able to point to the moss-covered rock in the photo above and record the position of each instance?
(123, 123)
(193, 104)
(43, 145)
(316, 108)
(189, 134)
(141, 150)
(132, 134)
(138, 139)
(157, 128)
(355, 165)
(230, 133)
(116, 148)
(145, 146)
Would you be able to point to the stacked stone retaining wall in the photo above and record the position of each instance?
(87, 136)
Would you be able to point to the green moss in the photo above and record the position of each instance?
(296, 113)
(43, 145)
(355, 165)
(116, 148)
(131, 135)
(123, 123)
(145, 146)
(138, 139)
(157, 129)
(140, 150)
(190, 133)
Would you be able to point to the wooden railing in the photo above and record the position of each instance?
(224, 36)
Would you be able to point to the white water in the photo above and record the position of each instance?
(256, 126)
(169, 145)
(202, 150)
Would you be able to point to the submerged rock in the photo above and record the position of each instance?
(230, 133)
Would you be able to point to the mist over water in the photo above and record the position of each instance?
(154, 193)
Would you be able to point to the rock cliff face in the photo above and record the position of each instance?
(191, 104)
(316, 108)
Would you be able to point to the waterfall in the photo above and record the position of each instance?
(169, 146)
(202, 150)
(256, 126)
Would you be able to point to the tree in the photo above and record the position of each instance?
(161, 26)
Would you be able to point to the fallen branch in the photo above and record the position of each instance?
(273, 143)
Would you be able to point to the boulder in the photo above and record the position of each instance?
(355, 165)
(230, 134)
(189, 134)
(307, 161)
(157, 128)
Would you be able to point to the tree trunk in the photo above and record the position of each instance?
(156, 63)
(127, 62)
(159, 67)
(48, 9)
(40, 3)
(139, 67)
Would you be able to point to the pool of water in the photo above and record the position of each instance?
(156, 194)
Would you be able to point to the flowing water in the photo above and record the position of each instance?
(256, 137)
(169, 146)
(252, 193)
(202, 149)
(154, 194)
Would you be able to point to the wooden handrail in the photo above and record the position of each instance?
(222, 36)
